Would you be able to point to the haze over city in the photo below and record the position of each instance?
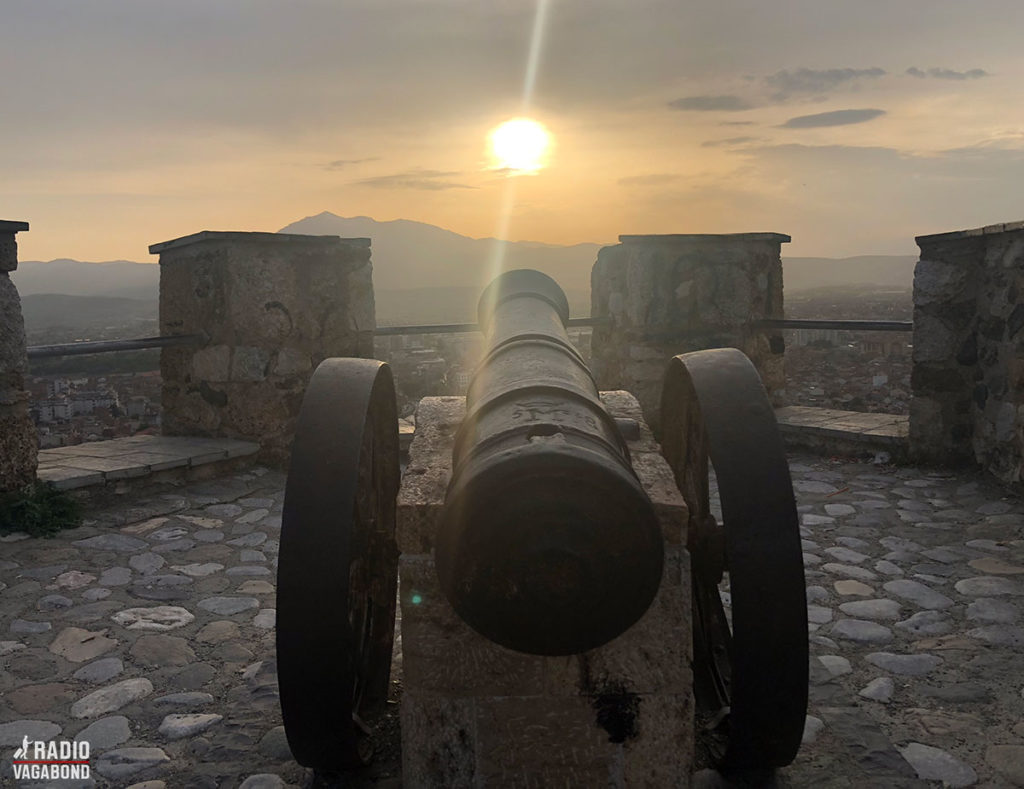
(853, 126)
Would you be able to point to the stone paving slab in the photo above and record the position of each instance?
(135, 629)
(843, 432)
(99, 462)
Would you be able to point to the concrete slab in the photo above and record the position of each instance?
(99, 462)
(843, 432)
(66, 478)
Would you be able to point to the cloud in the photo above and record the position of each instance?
(806, 80)
(727, 141)
(737, 123)
(654, 179)
(426, 180)
(711, 103)
(945, 73)
(341, 164)
(834, 118)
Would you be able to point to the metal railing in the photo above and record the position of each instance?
(459, 328)
(847, 325)
(142, 343)
(112, 346)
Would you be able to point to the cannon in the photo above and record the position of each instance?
(548, 543)
(553, 582)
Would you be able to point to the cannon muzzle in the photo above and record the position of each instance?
(548, 544)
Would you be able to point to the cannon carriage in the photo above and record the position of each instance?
(556, 593)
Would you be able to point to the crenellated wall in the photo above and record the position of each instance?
(968, 375)
(19, 447)
(272, 307)
(670, 294)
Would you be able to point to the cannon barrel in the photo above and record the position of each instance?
(548, 543)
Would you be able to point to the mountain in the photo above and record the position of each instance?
(421, 273)
(416, 255)
(73, 277)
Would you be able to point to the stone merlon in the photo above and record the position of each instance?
(987, 230)
(18, 450)
(239, 236)
(271, 306)
(672, 238)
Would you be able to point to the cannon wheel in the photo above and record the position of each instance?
(750, 675)
(337, 569)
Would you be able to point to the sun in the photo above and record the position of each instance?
(520, 145)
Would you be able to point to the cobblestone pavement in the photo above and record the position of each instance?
(149, 632)
(914, 602)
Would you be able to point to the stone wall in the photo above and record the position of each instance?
(968, 375)
(18, 444)
(272, 307)
(670, 294)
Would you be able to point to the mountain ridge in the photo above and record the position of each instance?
(416, 263)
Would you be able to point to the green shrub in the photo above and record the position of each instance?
(39, 509)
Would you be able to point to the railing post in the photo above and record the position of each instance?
(19, 448)
(273, 306)
(670, 294)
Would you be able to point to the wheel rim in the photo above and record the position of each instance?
(750, 679)
(337, 568)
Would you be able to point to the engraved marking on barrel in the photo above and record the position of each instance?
(535, 410)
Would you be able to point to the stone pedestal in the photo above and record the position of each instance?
(273, 306)
(968, 374)
(478, 714)
(669, 294)
(19, 447)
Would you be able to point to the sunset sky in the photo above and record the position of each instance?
(851, 125)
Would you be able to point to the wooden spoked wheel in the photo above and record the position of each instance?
(750, 669)
(338, 564)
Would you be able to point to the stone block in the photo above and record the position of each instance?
(212, 364)
(933, 341)
(249, 363)
(428, 473)
(475, 713)
(661, 753)
(444, 731)
(937, 281)
(292, 361)
(660, 485)
(559, 744)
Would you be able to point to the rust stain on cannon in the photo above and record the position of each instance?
(548, 544)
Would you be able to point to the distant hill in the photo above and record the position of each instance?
(410, 255)
(44, 311)
(421, 273)
(75, 278)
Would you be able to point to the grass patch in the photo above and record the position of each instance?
(39, 509)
